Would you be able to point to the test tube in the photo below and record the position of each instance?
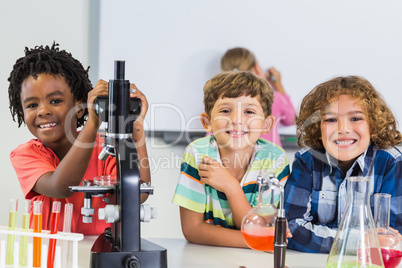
(26, 214)
(68, 216)
(37, 228)
(67, 245)
(12, 224)
(54, 225)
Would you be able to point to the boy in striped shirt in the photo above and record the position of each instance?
(218, 180)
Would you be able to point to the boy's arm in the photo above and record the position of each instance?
(196, 230)
(307, 236)
(73, 165)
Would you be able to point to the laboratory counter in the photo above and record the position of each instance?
(182, 254)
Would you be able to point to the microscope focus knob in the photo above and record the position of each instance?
(111, 213)
(87, 212)
(87, 219)
(147, 213)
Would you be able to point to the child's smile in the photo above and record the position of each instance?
(345, 130)
(344, 142)
(238, 122)
(47, 125)
(237, 134)
(47, 102)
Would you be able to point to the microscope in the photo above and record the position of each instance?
(280, 241)
(121, 245)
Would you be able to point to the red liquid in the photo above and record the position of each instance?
(54, 225)
(260, 239)
(391, 257)
(37, 241)
(372, 255)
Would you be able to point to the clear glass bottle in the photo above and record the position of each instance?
(356, 243)
(389, 241)
(258, 226)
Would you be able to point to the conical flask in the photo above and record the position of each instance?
(258, 225)
(356, 243)
(390, 244)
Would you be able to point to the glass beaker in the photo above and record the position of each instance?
(258, 225)
(356, 243)
(389, 241)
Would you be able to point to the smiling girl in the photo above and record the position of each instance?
(51, 93)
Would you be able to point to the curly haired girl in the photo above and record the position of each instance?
(51, 94)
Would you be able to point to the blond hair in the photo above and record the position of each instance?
(238, 59)
(382, 123)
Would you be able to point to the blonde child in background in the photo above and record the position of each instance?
(218, 181)
(242, 59)
(345, 129)
(50, 92)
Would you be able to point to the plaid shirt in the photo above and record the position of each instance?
(315, 193)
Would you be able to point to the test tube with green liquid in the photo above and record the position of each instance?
(12, 224)
(26, 214)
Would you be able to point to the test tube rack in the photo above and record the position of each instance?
(74, 238)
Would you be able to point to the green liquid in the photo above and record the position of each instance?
(12, 223)
(350, 264)
(24, 240)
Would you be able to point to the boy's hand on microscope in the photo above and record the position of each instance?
(215, 174)
(101, 89)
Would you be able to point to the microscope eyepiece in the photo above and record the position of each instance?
(119, 69)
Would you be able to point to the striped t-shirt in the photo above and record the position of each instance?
(194, 195)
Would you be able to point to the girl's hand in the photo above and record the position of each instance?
(101, 89)
(136, 93)
(273, 75)
(138, 125)
(274, 78)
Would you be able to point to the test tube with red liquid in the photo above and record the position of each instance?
(54, 225)
(37, 228)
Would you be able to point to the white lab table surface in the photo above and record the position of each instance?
(182, 254)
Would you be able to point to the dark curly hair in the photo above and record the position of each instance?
(49, 60)
(382, 123)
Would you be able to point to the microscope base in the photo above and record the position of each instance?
(104, 255)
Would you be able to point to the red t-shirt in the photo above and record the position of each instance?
(32, 159)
